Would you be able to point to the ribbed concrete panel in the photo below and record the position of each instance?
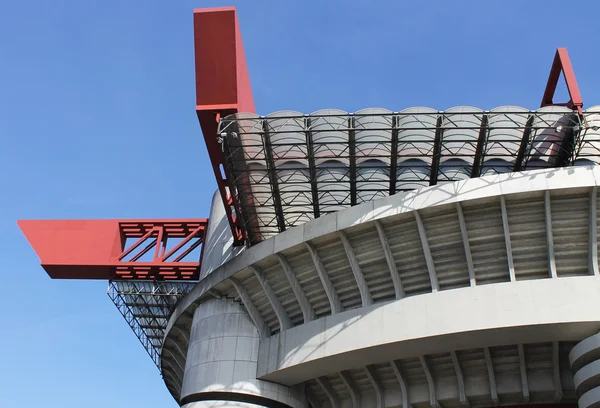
(371, 259)
(275, 275)
(405, 244)
(507, 369)
(333, 256)
(301, 263)
(528, 237)
(486, 240)
(474, 369)
(259, 300)
(446, 245)
(538, 358)
(570, 220)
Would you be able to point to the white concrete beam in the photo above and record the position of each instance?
(558, 391)
(180, 364)
(523, 368)
(172, 370)
(549, 236)
(460, 379)
(398, 288)
(511, 264)
(372, 375)
(593, 233)
(491, 375)
(433, 402)
(183, 334)
(465, 238)
(427, 252)
(403, 388)
(363, 288)
(311, 399)
(282, 316)
(177, 348)
(334, 300)
(307, 311)
(352, 390)
(326, 387)
(253, 312)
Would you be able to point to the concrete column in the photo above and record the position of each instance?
(222, 357)
(585, 362)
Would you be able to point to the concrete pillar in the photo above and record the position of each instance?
(222, 358)
(585, 362)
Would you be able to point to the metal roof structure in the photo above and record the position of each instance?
(289, 168)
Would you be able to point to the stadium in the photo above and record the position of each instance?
(419, 258)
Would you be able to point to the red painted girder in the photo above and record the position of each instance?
(96, 249)
(222, 88)
(562, 63)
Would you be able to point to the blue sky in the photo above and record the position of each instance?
(97, 121)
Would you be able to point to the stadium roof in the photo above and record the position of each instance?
(288, 168)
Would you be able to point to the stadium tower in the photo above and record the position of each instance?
(419, 258)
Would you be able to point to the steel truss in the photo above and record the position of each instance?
(146, 307)
(291, 168)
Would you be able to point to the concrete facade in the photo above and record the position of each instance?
(467, 293)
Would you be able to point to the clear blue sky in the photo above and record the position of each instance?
(97, 121)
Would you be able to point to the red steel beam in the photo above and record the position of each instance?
(562, 63)
(222, 88)
(98, 249)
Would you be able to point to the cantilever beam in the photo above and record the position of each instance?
(222, 88)
(99, 249)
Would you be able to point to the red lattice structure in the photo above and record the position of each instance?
(100, 249)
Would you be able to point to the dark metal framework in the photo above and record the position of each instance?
(329, 162)
(146, 307)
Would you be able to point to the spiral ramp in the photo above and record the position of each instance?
(585, 362)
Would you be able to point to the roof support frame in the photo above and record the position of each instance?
(480, 150)
(524, 148)
(394, 155)
(272, 172)
(352, 154)
(312, 168)
(437, 151)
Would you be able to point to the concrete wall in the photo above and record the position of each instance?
(222, 359)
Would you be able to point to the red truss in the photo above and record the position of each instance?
(99, 249)
(562, 63)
